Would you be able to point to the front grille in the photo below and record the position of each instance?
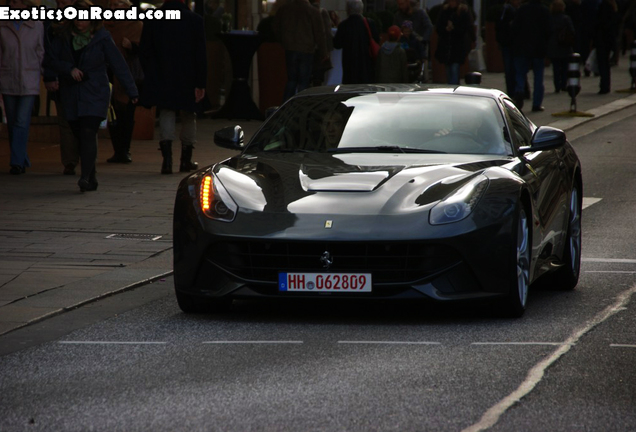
(390, 263)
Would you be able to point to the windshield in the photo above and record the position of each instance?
(381, 122)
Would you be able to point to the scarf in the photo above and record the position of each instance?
(80, 40)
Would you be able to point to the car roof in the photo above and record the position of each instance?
(403, 88)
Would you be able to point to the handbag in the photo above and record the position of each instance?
(111, 117)
(591, 64)
(374, 47)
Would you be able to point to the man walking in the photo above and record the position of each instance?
(300, 28)
(173, 56)
(531, 30)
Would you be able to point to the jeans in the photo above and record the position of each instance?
(522, 65)
(452, 73)
(18, 110)
(299, 68)
(167, 120)
(85, 131)
(69, 146)
(604, 67)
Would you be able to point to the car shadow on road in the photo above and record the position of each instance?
(372, 312)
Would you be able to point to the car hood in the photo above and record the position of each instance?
(351, 183)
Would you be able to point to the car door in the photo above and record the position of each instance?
(544, 171)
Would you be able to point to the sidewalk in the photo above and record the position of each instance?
(60, 249)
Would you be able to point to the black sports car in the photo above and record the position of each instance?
(384, 192)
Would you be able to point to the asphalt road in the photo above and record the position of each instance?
(134, 362)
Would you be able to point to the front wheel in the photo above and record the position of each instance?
(567, 276)
(515, 303)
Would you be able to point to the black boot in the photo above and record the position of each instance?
(186, 158)
(88, 184)
(166, 151)
(127, 133)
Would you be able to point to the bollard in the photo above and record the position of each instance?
(574, 79)
(632, 66)
(573, 87)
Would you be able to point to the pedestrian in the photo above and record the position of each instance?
(352, 37)
(21, 55)
(391, 65)
(503, 32)
(560, 45)
(531, 30)
(335, 19)
(126, 35)
(408, 10)
(455, 30)
(81, 55)
(585, 36)
(605, 41)
(322, 64)
(302, 34)
(415, 50)
(69, 146)
(173, 56)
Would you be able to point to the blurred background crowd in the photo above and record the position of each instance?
(119, 78)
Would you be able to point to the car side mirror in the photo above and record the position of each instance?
(545, 138)
(231, 137)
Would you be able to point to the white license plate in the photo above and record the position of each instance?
(324, 282)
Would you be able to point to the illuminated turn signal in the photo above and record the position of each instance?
(215, 201)
(206, 192)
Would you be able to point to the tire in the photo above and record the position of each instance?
(567, 276)
(192, 304)
(514, 305)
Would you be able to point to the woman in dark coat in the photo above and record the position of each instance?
(80, 57)
(353, 38)
(455, 31)
(174, 59)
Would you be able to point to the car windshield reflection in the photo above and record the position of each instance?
(394, 122)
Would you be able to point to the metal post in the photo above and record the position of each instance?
(574, 79)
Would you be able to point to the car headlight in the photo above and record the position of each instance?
(460, 203)
(215, 201)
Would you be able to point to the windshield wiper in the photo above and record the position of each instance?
(287, 150)
(382, 149)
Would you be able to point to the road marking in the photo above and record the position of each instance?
(252, 342)
(390, 342)
(590, 202)
(535, 375)
(610, 260)
(518, 343)
(109, 343)
(622, 346)
(599, 271)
